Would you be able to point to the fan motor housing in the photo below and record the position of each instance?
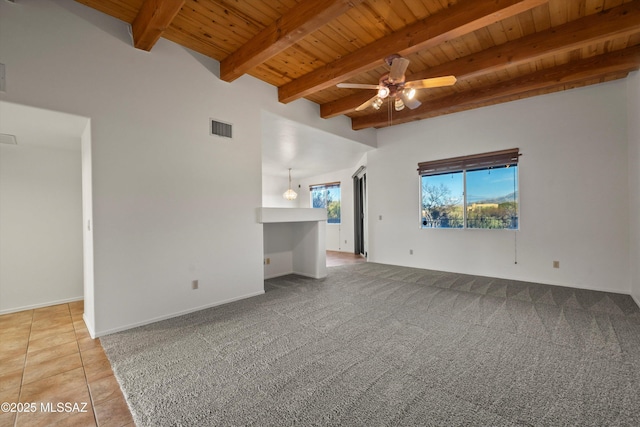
(393, 87)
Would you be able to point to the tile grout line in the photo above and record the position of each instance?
(75, 334)
(77, 337)
(84, 371)
(24, 364)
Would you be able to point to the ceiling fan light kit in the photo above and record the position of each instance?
(409, 93)
(394, 86)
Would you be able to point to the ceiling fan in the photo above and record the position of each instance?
(393, 86)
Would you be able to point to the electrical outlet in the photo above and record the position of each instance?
(556, 264)
(379, 217)
(3, 78)
(410, 251)
(194, 284)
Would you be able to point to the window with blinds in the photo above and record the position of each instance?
(327, 196)
(477, 191)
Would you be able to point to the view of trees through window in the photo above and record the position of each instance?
(327, 196)
(490, 199)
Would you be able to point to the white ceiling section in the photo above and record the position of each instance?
(306, 150)
(36, 127)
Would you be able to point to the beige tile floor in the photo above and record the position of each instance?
(47, 357)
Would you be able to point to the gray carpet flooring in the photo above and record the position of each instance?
(380, 345)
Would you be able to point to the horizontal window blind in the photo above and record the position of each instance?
(328, 185)
(476, 161)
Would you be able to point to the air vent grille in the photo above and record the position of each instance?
(221, 129)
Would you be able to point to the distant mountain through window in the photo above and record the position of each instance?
(481, 198)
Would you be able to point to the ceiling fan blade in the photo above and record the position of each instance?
(398, 67)
(433, 82)
(366, 104)
(357, 86)
(411, 103)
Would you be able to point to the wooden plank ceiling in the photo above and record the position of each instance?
(499, 50)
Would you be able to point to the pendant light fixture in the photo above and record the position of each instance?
(290, 194)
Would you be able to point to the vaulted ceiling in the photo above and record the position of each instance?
(499, 50)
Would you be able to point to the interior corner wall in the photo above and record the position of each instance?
(278, 249)
(41, 227)
(87, 230)
(171, 203)
(339, 236)
(633, 93)
(573, 184)
(272, 189)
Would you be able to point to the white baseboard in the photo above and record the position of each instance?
(90, 327)
(637, 301)
(274, 275)
(308, 275)
(176, 314)
(40, 305)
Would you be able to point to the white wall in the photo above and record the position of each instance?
(278, 249)
(573, 190)
(272, 189)
(296, 247)
(170, 203)
(41, 226)
(339, 236)
(633, 93)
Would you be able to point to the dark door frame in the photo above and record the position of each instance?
(359, 210)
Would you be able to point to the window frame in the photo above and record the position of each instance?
(326, 186)
(463, 164)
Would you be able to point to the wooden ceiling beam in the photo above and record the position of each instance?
(462, 18)
(152, 20)
(303, 19)
(601, 66)
(617, 22)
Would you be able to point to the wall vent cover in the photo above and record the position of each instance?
(222, 129)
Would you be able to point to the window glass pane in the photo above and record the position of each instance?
(442, 201)
(319, 197)
(492, 198)
(327, 197)
(333, 205)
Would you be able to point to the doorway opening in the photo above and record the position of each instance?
(360, 211)
(46, 198)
